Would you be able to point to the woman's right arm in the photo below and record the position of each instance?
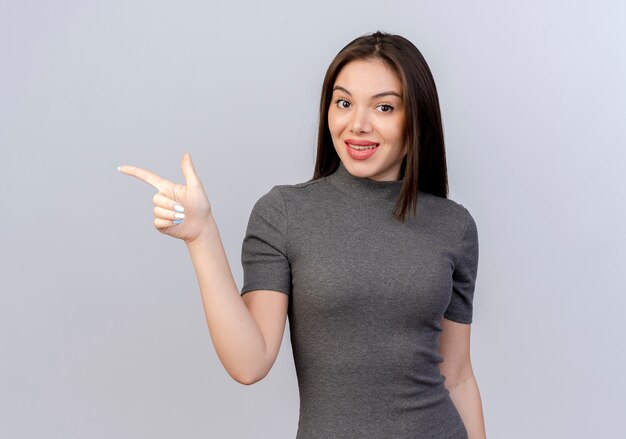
(246, 330)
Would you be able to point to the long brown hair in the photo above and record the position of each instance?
(424, 166)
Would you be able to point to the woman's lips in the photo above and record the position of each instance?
(360, 142)
(363, 154)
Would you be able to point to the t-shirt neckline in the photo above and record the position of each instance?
(363, 188)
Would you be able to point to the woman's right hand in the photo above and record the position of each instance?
(192, 198)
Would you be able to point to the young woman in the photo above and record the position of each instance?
(371, 262)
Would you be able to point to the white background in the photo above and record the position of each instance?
(102, 332)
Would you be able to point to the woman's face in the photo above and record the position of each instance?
(367, 109)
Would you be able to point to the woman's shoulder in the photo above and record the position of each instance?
(448, 210)
(287, 194)
(301, 191)
(302, 186)
(441, 203)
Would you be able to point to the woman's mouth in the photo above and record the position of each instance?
(361, 150)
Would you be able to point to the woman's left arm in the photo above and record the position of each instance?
(454, 347)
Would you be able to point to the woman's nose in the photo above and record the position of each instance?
(360, 122)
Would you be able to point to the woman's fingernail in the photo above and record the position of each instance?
(179, 215)
(178, 221)
(179, 208)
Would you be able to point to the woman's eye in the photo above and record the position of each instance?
(342, 103)
(385, 108)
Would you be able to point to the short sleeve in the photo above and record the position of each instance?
(460, 308)
(264, 251)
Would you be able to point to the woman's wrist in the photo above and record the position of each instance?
(208, 231)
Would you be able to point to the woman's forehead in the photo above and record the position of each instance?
(368, 77)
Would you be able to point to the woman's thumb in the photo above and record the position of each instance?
(188, 170)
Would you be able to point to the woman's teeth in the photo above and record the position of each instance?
(362, 148)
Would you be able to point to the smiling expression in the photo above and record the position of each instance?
(366, 109)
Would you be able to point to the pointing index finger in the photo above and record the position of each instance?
(143, 174)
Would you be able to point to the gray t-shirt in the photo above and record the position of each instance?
(367, 295)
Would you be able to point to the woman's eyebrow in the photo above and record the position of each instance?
(377, 95)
